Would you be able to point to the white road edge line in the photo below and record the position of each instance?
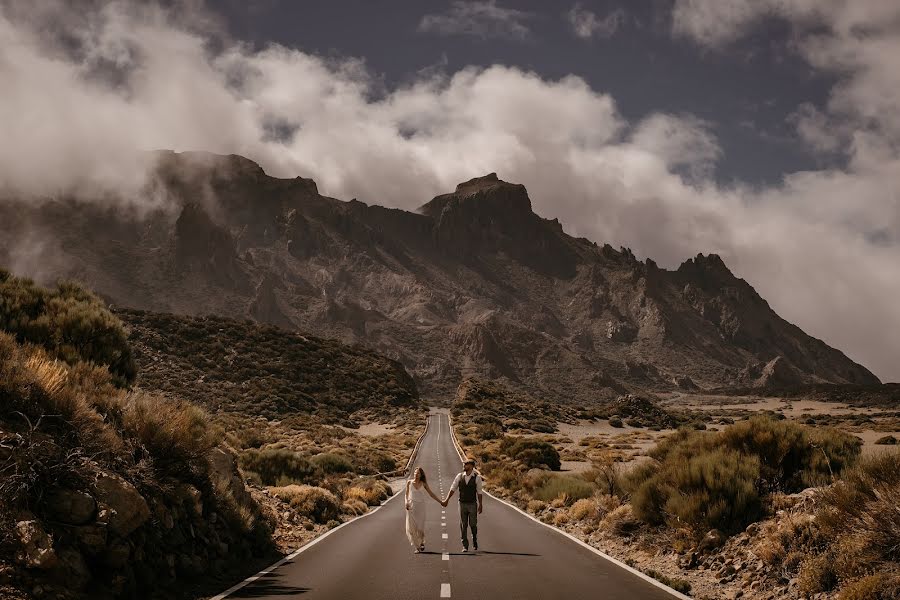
(600, 553)
(445, 590)
(306, 547)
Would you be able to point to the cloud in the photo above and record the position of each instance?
(83, 89)
(484, 19)
(586, 24)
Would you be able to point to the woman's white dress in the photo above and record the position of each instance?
(415, 516)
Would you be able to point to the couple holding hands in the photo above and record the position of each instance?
(468, 484)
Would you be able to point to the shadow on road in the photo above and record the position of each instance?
(267, 586)
(494, 553)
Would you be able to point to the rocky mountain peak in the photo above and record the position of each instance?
(486, 197)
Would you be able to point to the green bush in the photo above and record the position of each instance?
(332, 464)
(69, 322)
(533, 453)
(707, 479)
(278, 467)
(710, 490)
(558, 486)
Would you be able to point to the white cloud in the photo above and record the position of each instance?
(479, 18)
(586, 24)
(822, 247)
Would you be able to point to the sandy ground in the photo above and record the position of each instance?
(372, 429)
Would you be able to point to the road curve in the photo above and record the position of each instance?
(370, 558)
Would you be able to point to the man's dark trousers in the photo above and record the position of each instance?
(468, 509)
(468, 516)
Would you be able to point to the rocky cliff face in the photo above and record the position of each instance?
(474, 283)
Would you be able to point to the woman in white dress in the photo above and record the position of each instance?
(416, 488)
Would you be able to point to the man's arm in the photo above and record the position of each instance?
(479, 486)
(453, 487)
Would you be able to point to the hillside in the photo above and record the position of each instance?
(259, 370)
(474, 284)
(104, 491)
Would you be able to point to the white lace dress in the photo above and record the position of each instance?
(415, 516)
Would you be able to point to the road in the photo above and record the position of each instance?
(371, 559)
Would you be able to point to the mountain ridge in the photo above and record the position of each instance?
(474, 282)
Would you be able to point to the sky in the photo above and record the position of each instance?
(767, 131)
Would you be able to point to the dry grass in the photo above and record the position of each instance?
(175, 432)
(315, 503)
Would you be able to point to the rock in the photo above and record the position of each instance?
(224, 475)
(117, 555)
(621, 331)
(752, 529)
(72, 570)
(684, 382)
(128, 509)
(71, 507)
(91, 538)
(712, 540)
(191, 497)
(36, 546)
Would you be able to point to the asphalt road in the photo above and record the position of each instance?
(371, 559)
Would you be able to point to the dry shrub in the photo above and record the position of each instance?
(175, 432)
(564, 487)
(536, 506)
(507, 477)
(38, 388)
(276, 466)
(354, 507)
(561, 517)
(371, 492)
(315, 503)
(881, 586)
(861, 511)
(817, 575)
(620, 521)
(585, 509)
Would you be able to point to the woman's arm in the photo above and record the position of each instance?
(430, 493)
(406, 499)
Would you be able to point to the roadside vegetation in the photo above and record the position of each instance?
(123, 469)
(769, 506)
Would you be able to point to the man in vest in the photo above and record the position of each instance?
(469, 485)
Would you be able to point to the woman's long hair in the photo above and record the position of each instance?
(421, 473)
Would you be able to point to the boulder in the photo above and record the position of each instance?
(71, 507)
(223, 472)
(127, 508)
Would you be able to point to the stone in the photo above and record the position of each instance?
(223, 472)
(36, 546)
(72, 570)
(712, 540)
(117, 555)
(91, 538)
(192, 497)
(71, 507)
(128, 509)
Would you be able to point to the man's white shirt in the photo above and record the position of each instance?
(460, 476)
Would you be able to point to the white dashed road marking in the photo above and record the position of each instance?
(444, 536)
(445, 590)
(445, 556)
